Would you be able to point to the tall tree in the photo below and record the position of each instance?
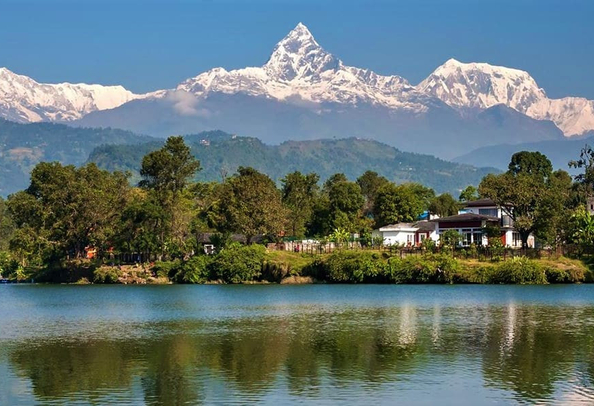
(444, 205)
(530, 163)
(523, 191)
(67, 209)
(167, 173)
(6, 226)
(370, 182)
(299, 193)
(250, 204)
(469, 194)
(170, 168)
(402, 203)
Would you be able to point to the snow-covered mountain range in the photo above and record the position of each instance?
(301, 73)
(22, 99)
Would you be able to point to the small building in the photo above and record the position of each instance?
(470, 223)
(406, 234)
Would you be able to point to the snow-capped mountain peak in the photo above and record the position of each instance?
(298, 55)
(481, 85)
(299, 69)
(22, 99)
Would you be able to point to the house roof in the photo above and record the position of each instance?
(399, 226)
(481, 203)
(425, 225)
(469, 217)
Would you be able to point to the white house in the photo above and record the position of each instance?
(470, 222)
(406, 234)
(509, 236)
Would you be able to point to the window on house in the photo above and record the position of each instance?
(516, 239)
(466, 237)
(488, 212)
(477, 237)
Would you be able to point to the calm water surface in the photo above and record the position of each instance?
(459, 345)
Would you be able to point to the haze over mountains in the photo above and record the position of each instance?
(22, 146)
(303, 92)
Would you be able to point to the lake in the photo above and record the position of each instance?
(277, 344)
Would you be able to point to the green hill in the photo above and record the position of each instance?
(220, 154)
(22, 146)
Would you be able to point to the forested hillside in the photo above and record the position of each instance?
(221, 154)
(22, 146)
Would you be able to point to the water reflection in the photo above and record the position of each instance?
(364, 353)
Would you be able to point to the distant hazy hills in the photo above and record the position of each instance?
(221, 154)
(559, 152)
(22, 146)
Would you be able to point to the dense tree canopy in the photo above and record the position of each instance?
(67, 211)
(299, 194)
(250, 204)
(402, 203)
(531, 194)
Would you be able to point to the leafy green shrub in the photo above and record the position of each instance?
(431, 268)
(195, 270)
(519, 270)
(239, 264)
(7, 264)
(568, 275)
(352, 267)
(167, 269)
(106, 274)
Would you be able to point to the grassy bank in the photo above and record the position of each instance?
(253, 264)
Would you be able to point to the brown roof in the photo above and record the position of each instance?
(425, 225)
(481, 203)
(465, 217)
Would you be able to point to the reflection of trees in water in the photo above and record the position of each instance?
(540, 349)
(523, 349)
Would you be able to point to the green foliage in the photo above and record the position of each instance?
(345, 204)
(469, 194)
(239, 264)
(66, 209)
(351, 267)
(534, 197)
(22, 146)
(581, 228)
(431, 268)
(519, 270)
(7, 264)
(444, 205)
(450, 239)
(530, 163)
(340, 236)
(194, 270)
(167, 269)
(299, 193)
(250, 204)
(170, 168)
(107, 274)
(402, 203)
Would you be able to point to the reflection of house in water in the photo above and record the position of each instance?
(408, 325)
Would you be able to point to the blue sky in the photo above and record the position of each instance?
(149, 45)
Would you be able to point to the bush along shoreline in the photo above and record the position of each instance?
(253, 264)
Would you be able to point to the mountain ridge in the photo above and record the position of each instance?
(302, 74)
(221, 154)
